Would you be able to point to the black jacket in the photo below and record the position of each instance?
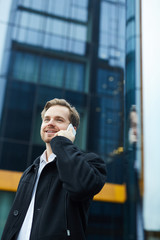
(64, 192)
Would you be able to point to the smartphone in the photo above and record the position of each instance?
(73, 130)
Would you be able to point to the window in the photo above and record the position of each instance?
(25, 67)
(6, 201)
(14, 156)
(49, 32)
(76, 9)
(109, 82)
(112, 32)
(75, 76)
(59, 73)
(106, 125)
(19, 110)
(65, 36)
(52, 72)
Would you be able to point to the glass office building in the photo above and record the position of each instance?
(83, 51)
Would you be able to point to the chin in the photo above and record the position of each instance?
(47, 140)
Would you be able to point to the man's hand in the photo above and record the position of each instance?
(66, 133)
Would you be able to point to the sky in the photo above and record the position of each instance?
(151, 113)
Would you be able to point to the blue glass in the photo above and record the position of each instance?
(52, 72)
(6, 201)
(18, 111)
(65, 36)
(69, 9)
(74, 76)
(105, 221)
(3, 84)
(37, 151)
(105, 130)
(25, 67)
(35, 37)
(14, 156)
(50, 32)
(110, 82)
(59, 73)
(46, 93)
(112, 28)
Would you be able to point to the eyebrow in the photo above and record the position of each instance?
(48, 116)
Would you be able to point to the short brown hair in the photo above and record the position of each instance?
(74, 115)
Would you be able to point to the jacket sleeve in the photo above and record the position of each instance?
(82, 174)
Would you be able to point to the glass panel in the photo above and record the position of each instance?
(6, 200)
(78, 32)
(14, 156)
(62, 28)
(109, 82)
(39, 4)
(36, 139)
(35, 38)
(30, 20)
(46, 93)
(20, 34)
(18, 111)
(52, 72)
(65, 36)
(25, 18)
(37, 150)
(69, 9)
(36, 21)
(75, 76)
(2, 95)
(106, 130)
(36, 4)
(58, 73)
(112, 22)
(78, 13)
(105, 221)
(50, 33)
(25, 67)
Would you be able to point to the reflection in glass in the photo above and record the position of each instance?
(69, 9)
(112, 32)
(49, 32)
(107, 123)
(75, 76)
(52, 72)
(6, 201)
(14, 156)
(25, 67)
(19, 110)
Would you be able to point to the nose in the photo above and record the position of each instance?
(51, 122)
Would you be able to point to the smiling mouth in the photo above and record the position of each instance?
(50, 131)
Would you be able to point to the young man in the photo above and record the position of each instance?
(55, 192)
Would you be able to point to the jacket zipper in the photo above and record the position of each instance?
(66, 219)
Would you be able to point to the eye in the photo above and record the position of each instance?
(59, 120)
(46, 120)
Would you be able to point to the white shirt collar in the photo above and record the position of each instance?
(50, 159)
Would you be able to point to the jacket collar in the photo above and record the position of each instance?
(34, 167)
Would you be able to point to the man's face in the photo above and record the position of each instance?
(55, 119)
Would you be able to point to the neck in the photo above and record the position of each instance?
(49, 150)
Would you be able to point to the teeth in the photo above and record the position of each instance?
(50, 131)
